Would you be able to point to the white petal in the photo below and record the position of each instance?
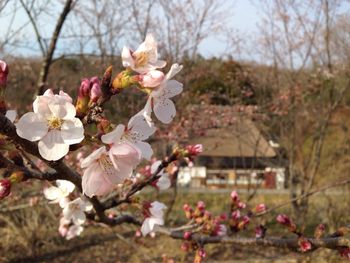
(31, 126)
(65, 186)
(52, 147)
(49, 93)
(128, 60)
(93, 157)
(73, 231)
(114, 136)
(146, 149)
(41, 105)
(146, 228)
(155, 166)
(11, 115)
(64, 96)
(62, 110)
(164, 182)
(156, 209)
(79, 218)
(53, 193)
(175, 68)
(164, 110)
(141, 127)
(72, 131)
(172, 88)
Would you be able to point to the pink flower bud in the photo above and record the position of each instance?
(260, 231)
(5, 188)
(241, 205)
(345, 252)
(185, 246)
(96, 92)
(201, 206)
(304, 244)
(220, 230)
(202, 253)
(151, 79)
(187, 235)
(260, 208)
(4, 71)
(186, 207)
(236, 215)
(234, 196)
(138, 233)
(283, 220)
(84, 89)
(194, 150)
(223, 217)
(244, 222)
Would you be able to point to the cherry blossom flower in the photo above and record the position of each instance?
(74, 211)
(145, 58)
(159, 99)
(154, 217)
(60, 193)
(163, 182)
(139, 128)
(69, 231)
(304, 244)
(53, 124)
(106, 169)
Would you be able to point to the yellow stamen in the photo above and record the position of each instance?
(54, 123)
(141, 59)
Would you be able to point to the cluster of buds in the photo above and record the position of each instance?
(304, 243)
(237, 222)
(4, 71)
(89, 92)
(124, 80)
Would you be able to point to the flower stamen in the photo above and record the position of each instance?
(54, 123)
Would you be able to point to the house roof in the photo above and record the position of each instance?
(238, 138)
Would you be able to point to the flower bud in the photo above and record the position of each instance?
(304, 244)
(4, 71)
(122, 81)
(244, 222)
(5, 188)
(260, 208)
(201, 206)
(96, 91)
(260, 231)
(319, 231)
(185, 246)
(283, 220)
(151, 79)
(219, 230)
(83, 99)
(193, 150)
(234, 196)
(345, 252)
(187, 235)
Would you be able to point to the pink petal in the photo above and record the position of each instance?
(72, 131)
(31, 126)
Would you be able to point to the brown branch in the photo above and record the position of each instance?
(138, 187)
(290, 243)
(45, 68)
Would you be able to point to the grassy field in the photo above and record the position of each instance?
(30, 234)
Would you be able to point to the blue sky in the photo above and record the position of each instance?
(244, 19)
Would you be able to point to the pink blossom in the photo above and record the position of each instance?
(145, 58)
(102, 173)
(201, 206)
(75, 211)
(5, 188)
(164, 181)
(236, 215)
(154, 217)
(53, 124)
(4, 71)
(151, 79)
(139, 129)
(60, 193)
(159, 99)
